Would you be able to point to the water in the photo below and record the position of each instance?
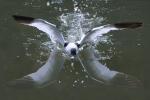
(23, 49)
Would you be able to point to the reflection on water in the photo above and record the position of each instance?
(23, 49)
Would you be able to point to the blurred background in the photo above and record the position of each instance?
(23, 49)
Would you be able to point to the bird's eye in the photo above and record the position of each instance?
(78, 45)
(66, 44)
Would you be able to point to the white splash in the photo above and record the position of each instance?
(77, 24)
(56, 1)
(48, 3)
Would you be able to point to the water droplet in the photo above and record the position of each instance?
(86, 76)
(138, 44)
(48, 3)
(75, 81)
(18, 56)
(72, 64)
(76, 73)
(59, 81)
(82, 82)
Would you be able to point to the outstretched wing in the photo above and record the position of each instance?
(42, 25)
(99, 31)
(43, 76)
(103, 74)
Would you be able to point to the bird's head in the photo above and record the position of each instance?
(72, 49)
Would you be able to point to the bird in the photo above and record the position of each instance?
(48, 73)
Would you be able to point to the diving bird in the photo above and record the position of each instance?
(48, 72)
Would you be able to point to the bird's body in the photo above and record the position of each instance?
(93, 67)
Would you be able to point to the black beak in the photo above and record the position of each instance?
(73, 52)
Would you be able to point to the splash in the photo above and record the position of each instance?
(75, 25)
(55, 1)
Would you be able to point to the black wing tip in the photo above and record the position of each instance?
(23, 19)
(131, 25)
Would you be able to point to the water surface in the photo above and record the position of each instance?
(23, 49)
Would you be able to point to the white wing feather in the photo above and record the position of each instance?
(97, 32)
(100, 31)
(48, 28)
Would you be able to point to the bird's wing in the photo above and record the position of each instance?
(93, 34)
(42, 25)
(44, 76)
(103, 74)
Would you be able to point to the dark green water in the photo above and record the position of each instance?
(20, 49)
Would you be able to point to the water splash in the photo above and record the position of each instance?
(56, 1)
(77, 24)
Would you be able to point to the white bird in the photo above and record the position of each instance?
(48, 72)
